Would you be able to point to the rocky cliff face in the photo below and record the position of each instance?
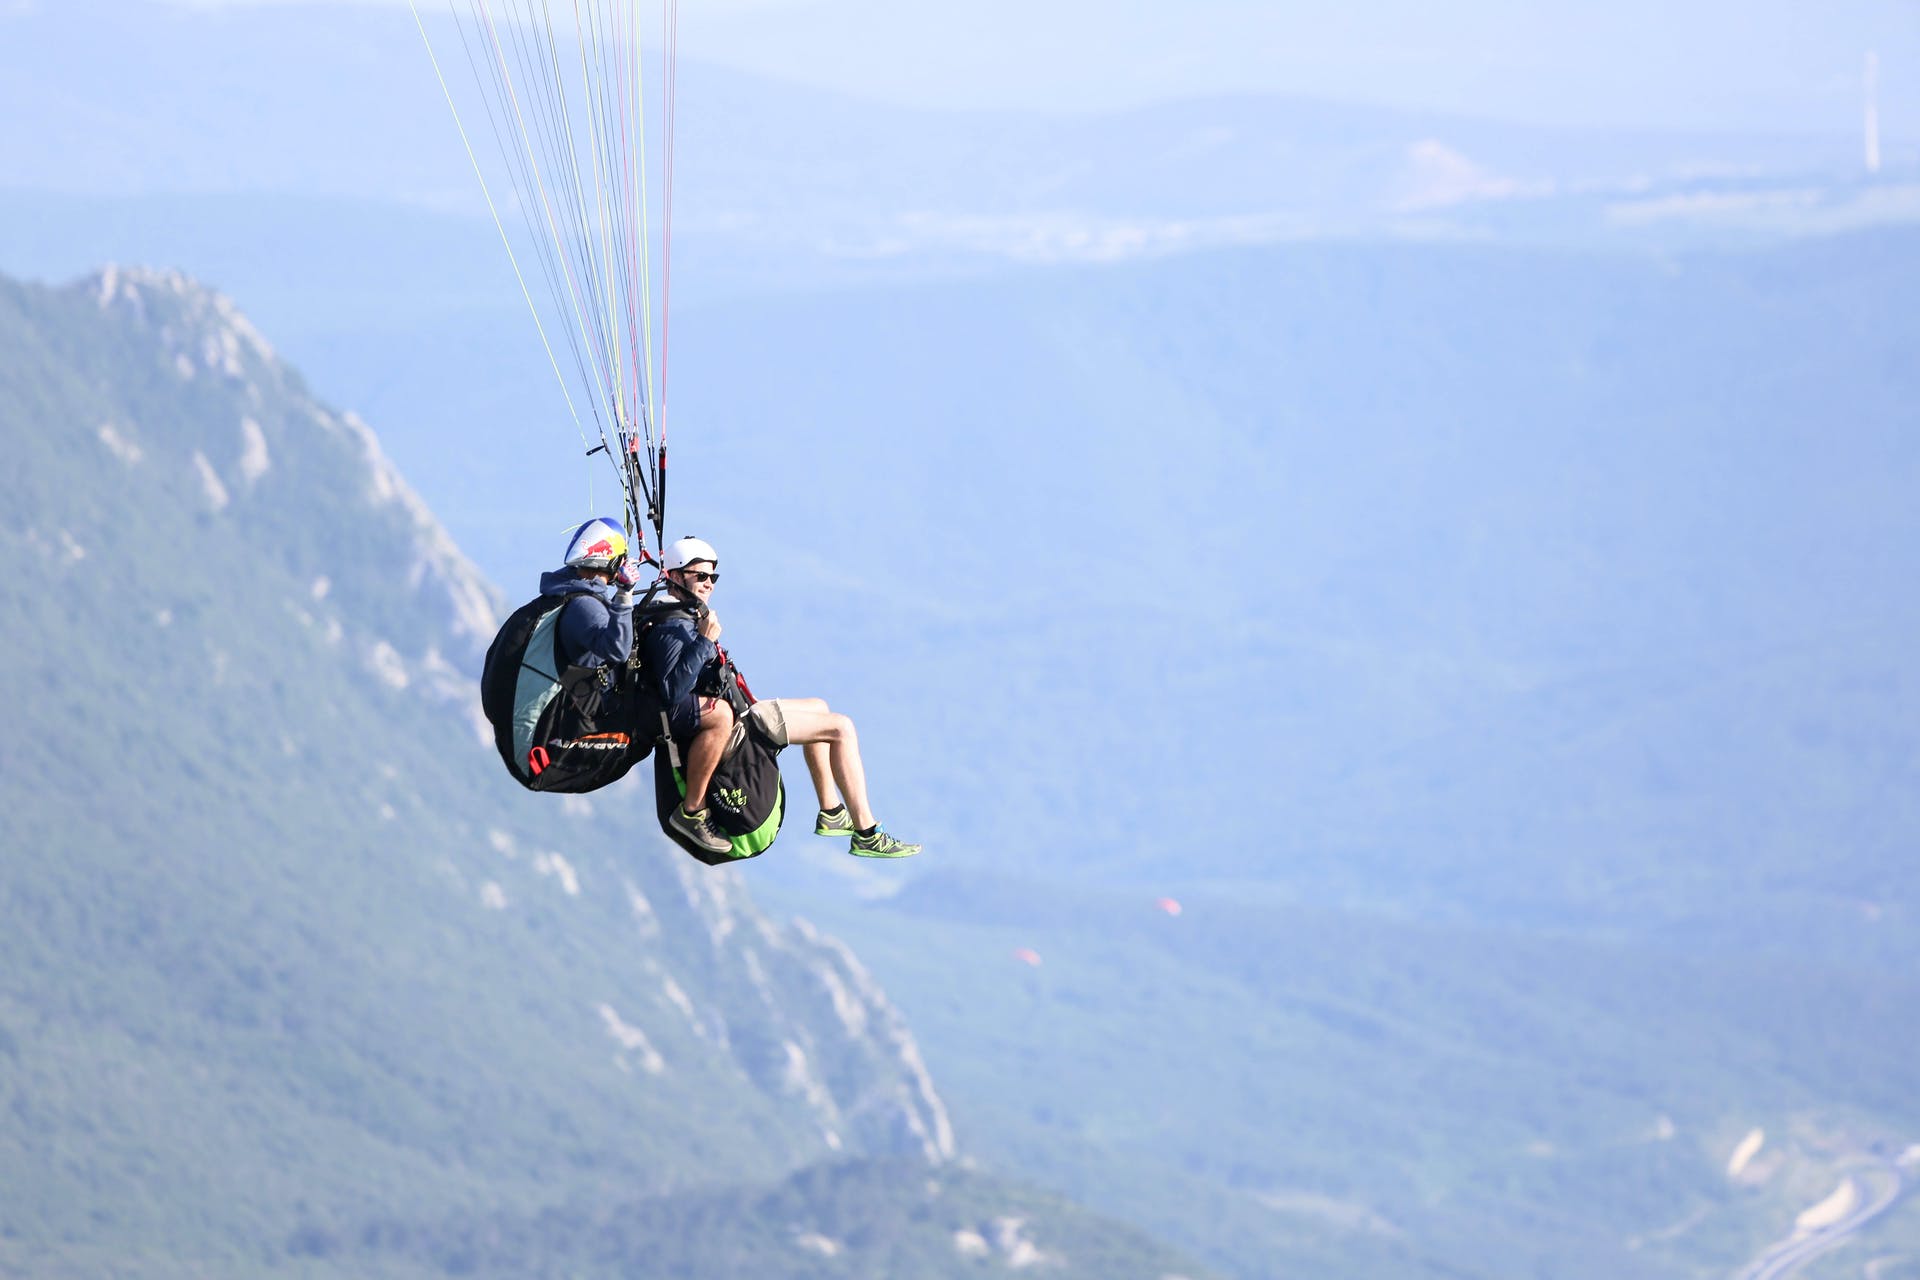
(265, 844)
(204, 339)
(812, 1024)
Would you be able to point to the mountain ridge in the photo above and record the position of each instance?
(299, 949)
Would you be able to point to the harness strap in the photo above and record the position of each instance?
(666, 739)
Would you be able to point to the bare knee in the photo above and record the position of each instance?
(717, 718)
(806, 724)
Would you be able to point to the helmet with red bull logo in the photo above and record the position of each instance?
(599, 545)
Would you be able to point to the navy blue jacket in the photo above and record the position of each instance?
(674, 654)
(596, 629)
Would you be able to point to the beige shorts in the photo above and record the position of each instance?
(772, 719)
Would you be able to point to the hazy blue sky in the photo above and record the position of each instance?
(1766, 64)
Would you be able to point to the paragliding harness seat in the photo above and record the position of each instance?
(746, 801)
(558, 727)
(566, 728)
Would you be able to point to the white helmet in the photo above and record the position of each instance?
(599, 544)
(689, 551)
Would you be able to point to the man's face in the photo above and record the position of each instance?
(698, 579)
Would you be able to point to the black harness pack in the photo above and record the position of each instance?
(558, 726)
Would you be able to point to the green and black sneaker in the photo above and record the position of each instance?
(881, 845)
(838, 822)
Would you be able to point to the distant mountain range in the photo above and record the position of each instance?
(343, 105)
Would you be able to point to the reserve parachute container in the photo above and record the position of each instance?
(559, 727)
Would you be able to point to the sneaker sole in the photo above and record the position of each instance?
(879, 853)
(693, 838)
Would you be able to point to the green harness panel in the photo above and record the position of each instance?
(755, 842)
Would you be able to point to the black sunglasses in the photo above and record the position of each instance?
(701, 575)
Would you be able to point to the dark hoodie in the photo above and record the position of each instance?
(597, 628)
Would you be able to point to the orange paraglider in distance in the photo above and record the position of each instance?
(1027, 955)
(1169, 905)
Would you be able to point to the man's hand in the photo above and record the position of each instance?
(627, 576)
(710, 625)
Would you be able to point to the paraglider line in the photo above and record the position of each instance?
(587, 275)
(532, 179)
(593, 246)
(593, 108)
(543, 248)
(546, 126)
(631, 247)
(580, 319)
(672, 77)
(498, 224)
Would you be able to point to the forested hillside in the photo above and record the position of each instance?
(288, 967)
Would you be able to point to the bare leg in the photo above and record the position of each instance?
(809, 723)
(819, 765)
(821, 768)
(703, 755)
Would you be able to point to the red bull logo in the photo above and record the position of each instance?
(598, 541)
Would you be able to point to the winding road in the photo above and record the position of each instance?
(1787, 1257)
